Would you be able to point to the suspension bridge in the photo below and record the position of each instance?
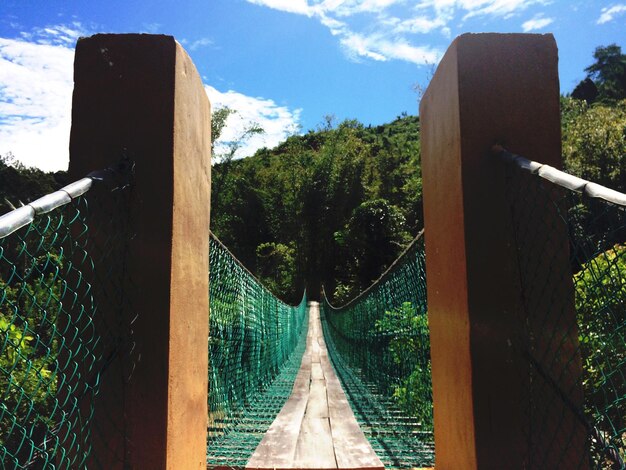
(130, 337)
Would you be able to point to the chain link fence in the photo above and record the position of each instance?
(573, 327)
(54, 346)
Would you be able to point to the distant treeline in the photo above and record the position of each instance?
(335, 206)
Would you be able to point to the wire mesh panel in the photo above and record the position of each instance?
(39, 286)
(53, 349)
(256, 344)
(379, 345)
(54, 345)
(573, 328)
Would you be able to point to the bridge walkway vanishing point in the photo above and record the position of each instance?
(316, 427)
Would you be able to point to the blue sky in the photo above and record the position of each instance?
(284, 64)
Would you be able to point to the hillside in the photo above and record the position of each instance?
(333, 206)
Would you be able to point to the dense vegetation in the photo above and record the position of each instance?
(333, 206)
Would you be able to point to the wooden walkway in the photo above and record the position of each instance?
(316, 428)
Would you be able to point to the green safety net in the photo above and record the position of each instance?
(379, 345)
(256, 343)
(573, 328)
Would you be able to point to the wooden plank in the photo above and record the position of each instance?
(316, 371)
(278, 446)
(317, 405)
(315, 445)
(315, 352)
(352, 449)
(303, 379)
(316, 428)
(329, 373)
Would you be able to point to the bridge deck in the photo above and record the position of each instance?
(316, 428)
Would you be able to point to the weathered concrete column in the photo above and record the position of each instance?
(143, 94)
(492, 88)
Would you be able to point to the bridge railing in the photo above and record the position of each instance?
(256, 343)
(379, 345)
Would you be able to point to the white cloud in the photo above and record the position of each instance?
(381, 48)
(384, 30)
(362, 46)
(202, 42)
(419, 24)
(36, 83)
(278, 122)
(353, 7)
(35, 98)
(299, 7)
(609, 13)
(497, 8)
(537, 22)
(59, 35)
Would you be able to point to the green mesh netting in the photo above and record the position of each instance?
(594, 353)
(48, 366)
(379, 345)
(256, 344)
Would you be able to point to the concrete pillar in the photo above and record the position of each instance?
(142, 94)
(489, 402)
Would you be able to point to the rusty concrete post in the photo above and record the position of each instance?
(143, 94)
(488, 88)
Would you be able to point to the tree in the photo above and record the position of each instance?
(594, 142)
(20, 184)
(586, 90)
(219, 121)
(607, 74)
(222, 186)
(277, 269)
(303, 193)
(219, 117)
(374, 236)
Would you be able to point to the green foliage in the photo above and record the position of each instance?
(374, 235)
(276, 267)
(594, 142)
(219, 119)
(601, 311)
(410, 339)
(304, 194)
(28, 355)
